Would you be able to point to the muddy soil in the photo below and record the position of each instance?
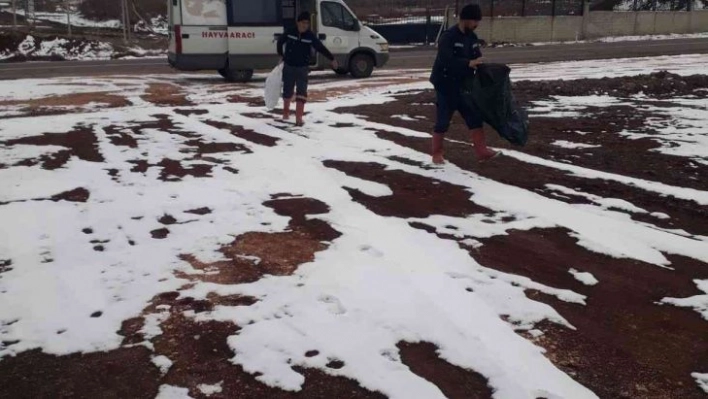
(626, 344)
(601, 126)
(198, 350)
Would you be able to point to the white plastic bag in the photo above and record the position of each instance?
(274, 87)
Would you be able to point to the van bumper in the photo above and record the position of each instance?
(382, 59)
(196, 62)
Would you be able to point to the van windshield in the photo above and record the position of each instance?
(255, 13)
(337, 16)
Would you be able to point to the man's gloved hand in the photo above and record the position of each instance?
(475, 63)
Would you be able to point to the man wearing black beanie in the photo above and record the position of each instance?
(459, 54)
(295, 47)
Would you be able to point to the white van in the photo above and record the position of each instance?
(235, 37)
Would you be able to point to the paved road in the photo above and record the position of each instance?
(416, 58)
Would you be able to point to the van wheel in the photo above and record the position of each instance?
(237, 75)
(361, 65)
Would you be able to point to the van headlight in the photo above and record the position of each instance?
(384, 46)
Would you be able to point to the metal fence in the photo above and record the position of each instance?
(411, 26)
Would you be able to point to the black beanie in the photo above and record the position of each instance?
(305, 16)
(471, 11)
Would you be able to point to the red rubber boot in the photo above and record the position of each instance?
(299, 113)
(437, 150)
(286, 109)
(481, 151)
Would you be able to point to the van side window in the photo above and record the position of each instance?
(336, 16)
(255, 13)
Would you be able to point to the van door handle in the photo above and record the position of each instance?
(322, 36)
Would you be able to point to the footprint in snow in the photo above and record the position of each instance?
(334, 304)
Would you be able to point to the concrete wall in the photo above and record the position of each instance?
(593, 25)
(699, 21)
(646, 23)
(567, 27)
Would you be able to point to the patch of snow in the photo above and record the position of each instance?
(685, 65)
(680, 130)
(571, 145)
(584, 277)
(76, 19)
(660, 215)
(605, 203)
(698, 196)
(683, 131)
(173, 392)
(163, 363)
(404, 118)
(673, 36)
(152, 329)
(699, 302)
(378, 263)
(209, 390)
(618, 39)
(14, 154)
(66, 49)
(29, 89)
(701, 380)
(535, 333)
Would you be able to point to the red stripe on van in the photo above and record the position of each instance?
(178, 38)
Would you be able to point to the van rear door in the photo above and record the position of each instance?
(254, 27)
(174, 20)
(204, 38)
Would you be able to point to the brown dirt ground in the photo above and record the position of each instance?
(65, 104)
(199, 351)
(81, 142)
(165, 94)
(625, 345)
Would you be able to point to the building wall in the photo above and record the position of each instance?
(593, 25)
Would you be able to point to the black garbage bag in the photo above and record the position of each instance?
(490, 91)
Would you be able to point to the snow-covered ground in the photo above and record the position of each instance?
(33, 48)
(381, 282)
(75, 18)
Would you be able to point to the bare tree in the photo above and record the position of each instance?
(122, 18)
(14, 15)
(125, 19)
(69, 7)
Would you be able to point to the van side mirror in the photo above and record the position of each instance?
(355, 27)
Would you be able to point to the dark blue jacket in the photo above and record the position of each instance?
(298, 47)
(455, 51)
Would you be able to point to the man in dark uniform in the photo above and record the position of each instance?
(459, 54)
(298, 43)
